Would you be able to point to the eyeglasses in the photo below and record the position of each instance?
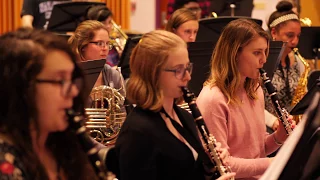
(66, 86)
(180, 72)
(102, 44)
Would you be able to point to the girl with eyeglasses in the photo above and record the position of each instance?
(39, 80)
(90, 41)
(149, 146)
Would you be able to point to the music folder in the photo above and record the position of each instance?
(125, 57)
(91, 71)
(276, 49)
(211, 28)
(304, 103)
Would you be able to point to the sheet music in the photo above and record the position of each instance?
(276, 167)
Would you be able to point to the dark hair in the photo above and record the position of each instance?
(283, 8)
(22, 54)
(180, 3)
(99, 13)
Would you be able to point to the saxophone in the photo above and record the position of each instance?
(281, 112)
(209, 140)
(301, 89)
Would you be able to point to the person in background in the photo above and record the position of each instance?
(199, 7)
(39, 80)
(159, 68)
(104, 15)
(284, 25)
(90, 41)
(184, 24)
(232, 101)
(36, 13)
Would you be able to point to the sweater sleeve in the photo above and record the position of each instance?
(215, 113)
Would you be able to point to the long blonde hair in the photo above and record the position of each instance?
(224, 70)
(146, 63)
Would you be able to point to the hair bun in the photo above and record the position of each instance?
(284, 5)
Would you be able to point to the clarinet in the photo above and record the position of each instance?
(281, 112)
(76, 123)
(209, 140)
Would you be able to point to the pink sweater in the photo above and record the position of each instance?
(240, 128)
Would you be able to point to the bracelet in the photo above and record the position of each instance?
(277, 142)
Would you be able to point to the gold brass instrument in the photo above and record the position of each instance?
(118, 37)
(301, 89)
(305, 21)
(106, 115)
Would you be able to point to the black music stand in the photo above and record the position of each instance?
(125, 57)
(309, 43)
(67, 16)
(200, 55)
(222, 7)
(276, 50)
(313, 78)
(304, 162)
(92, 71)
(211, 28)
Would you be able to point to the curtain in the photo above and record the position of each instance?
(121, 11)
(10, 13)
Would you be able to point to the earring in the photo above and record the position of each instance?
(273, 38)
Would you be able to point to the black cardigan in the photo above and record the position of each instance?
(146, 149)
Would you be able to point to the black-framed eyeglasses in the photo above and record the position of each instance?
(180, 72)
(66, 85)
(102, 44)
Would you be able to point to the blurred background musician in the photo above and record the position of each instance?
(232, 101)
(90, 41)
(183, 23)
(290, 78)
(39, 80)
(36, 13)
(104, 15)
(149, 146)
(199, 8)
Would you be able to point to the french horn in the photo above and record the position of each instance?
(106, 115)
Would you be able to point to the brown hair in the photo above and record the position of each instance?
(224, 70)
(284, 7)
(179, 17)
(83, 35)
(146, 62)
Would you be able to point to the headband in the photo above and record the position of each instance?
(283, 18)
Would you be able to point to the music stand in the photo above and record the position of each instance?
(200, 55)
(211, 28)
(92, 71)
(67, 16)
(125, 57)
(276, 50)
(313, 78)
(300, 157)
(309, 43)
